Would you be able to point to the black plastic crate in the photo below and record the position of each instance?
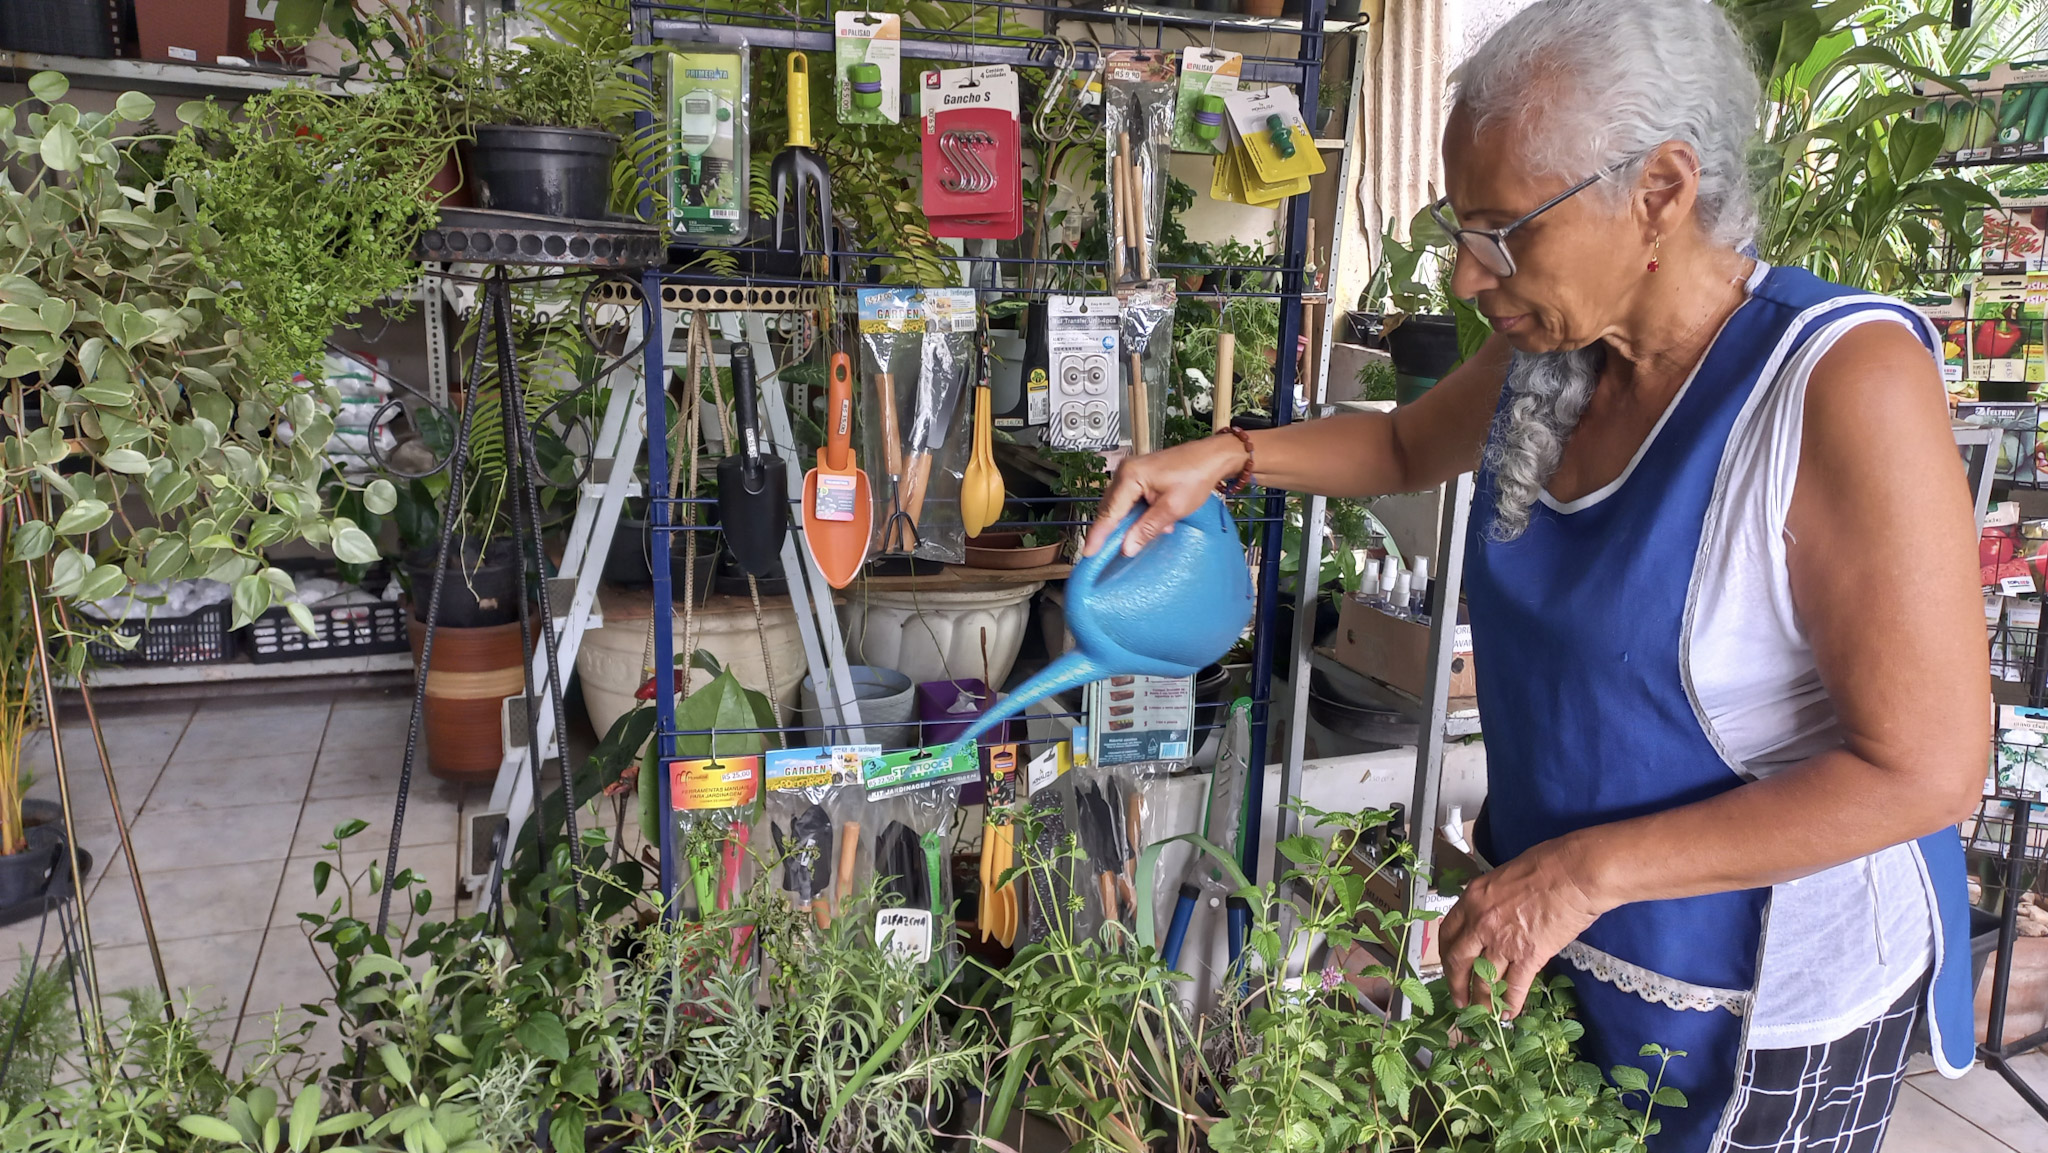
(342, 631)
(197, 638)
(58, 27)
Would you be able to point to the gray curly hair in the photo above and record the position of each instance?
(1593, 85)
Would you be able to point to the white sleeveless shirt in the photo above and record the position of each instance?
(1841, 945)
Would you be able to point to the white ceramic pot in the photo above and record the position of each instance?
(613, 660)
(937, 636)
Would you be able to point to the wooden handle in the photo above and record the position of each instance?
(1220, 398)
(914, 485)
(1119, 228)
(849, 849)
(1141, 409)
(892, 431)
(1107, 883)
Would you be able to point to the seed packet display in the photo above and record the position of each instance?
(973, 153)
(912, 796)
(1207, 75)
(2001, 334)
(2022, 124)
(708, 140)
(813, 813)
(1084, 336)
(711, 802)
(1137, 120)
(867, 60)
(918, 354)
(2020, 423)
(1141, 720)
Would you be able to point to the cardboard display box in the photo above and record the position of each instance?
(1396, 651)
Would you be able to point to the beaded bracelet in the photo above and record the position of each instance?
(1244, 477)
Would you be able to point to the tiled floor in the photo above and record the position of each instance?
(230, 801)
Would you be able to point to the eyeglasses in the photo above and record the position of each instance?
(1489, 246)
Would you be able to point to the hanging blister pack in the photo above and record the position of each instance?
(1207, 75)
(973, 153)
(1271, 154)
(912, 796)
(1141, 720)
(867, 64)
(813, 796)
(711, 802)
(1147, 358)
(1084, 335)
(1109, 811)
(918, 357)
(707, 129)
(1137, 121)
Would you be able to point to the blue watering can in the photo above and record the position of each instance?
(1175, 607)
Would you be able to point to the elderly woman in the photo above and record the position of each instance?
(1722, 587)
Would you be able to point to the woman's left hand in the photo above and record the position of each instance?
(1518, 917)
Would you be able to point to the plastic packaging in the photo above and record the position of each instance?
(972, 140)
(917, 355)
(911, 800)
(1207, 75)
(867, 66)
(814, 812)
(1146, 359)
(708, 140)
(1084, 338)
(1138, 111)
(711, 803)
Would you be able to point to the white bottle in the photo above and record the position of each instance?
(1402, 593)
(1369, 585)
(1418, 586)
(1388, 572)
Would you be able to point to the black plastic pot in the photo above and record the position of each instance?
(30, 877)
(731, 580)
(565, 173)
(1424, 349)
(1366, 328)
(628, 564)
(481, 588)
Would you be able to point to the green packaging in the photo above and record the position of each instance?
(707, 137)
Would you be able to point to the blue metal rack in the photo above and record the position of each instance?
(1018, 42)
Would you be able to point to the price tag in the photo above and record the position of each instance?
(2014, 586)
(713, 784)
(906, 933)
(835, 497)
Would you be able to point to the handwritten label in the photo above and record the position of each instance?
(906, 933)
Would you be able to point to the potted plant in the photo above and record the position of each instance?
(1030, 547)
(551, 114)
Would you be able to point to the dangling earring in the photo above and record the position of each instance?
(1655, 246)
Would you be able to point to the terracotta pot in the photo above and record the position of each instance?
(186, 31)
(1010, 555)
(474, 671)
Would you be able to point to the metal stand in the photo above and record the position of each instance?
(1997, 1052)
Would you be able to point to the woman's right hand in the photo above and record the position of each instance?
(1173, 482)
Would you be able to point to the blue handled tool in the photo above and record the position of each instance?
(1177, 929)
(1175, 607)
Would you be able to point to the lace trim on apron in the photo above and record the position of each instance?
(1653, 986)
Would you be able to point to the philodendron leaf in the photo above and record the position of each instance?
(126, 460)
(33, 539)
(166, 559)
(252, 599)
(134, 106)
(83, 517)
(68, 572)
(302, 617)
(379, 497)
(60, 148)
(354, 546)
(49, 87)
(102, 582)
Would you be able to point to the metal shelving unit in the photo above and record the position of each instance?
(1022, 40)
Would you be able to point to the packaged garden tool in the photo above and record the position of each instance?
(1271, 155)
(804, 227)
(712, 801)
(912, 795)
(1051, 866)
(1103, 803)
(1084, 335)
(1147, 308)
(999, 905)
(867, 60)
(972, 150)
(753, 486)
(1137, 119)
(811, 792)
(838, 507)
(917, 350)
(1207, 75)
(1141, 720)
(708, 142)
(981, 485)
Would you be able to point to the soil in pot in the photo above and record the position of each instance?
(565, 173)
(1424, 349)
(480, 587)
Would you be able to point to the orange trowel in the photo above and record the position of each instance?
(838, 511)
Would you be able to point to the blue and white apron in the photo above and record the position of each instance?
(1577, 629)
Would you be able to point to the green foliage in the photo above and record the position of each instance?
(1850, 189)
(37, 1027)
(318, 201)
(112, 326)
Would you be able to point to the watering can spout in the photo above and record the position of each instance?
(1069, 672)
